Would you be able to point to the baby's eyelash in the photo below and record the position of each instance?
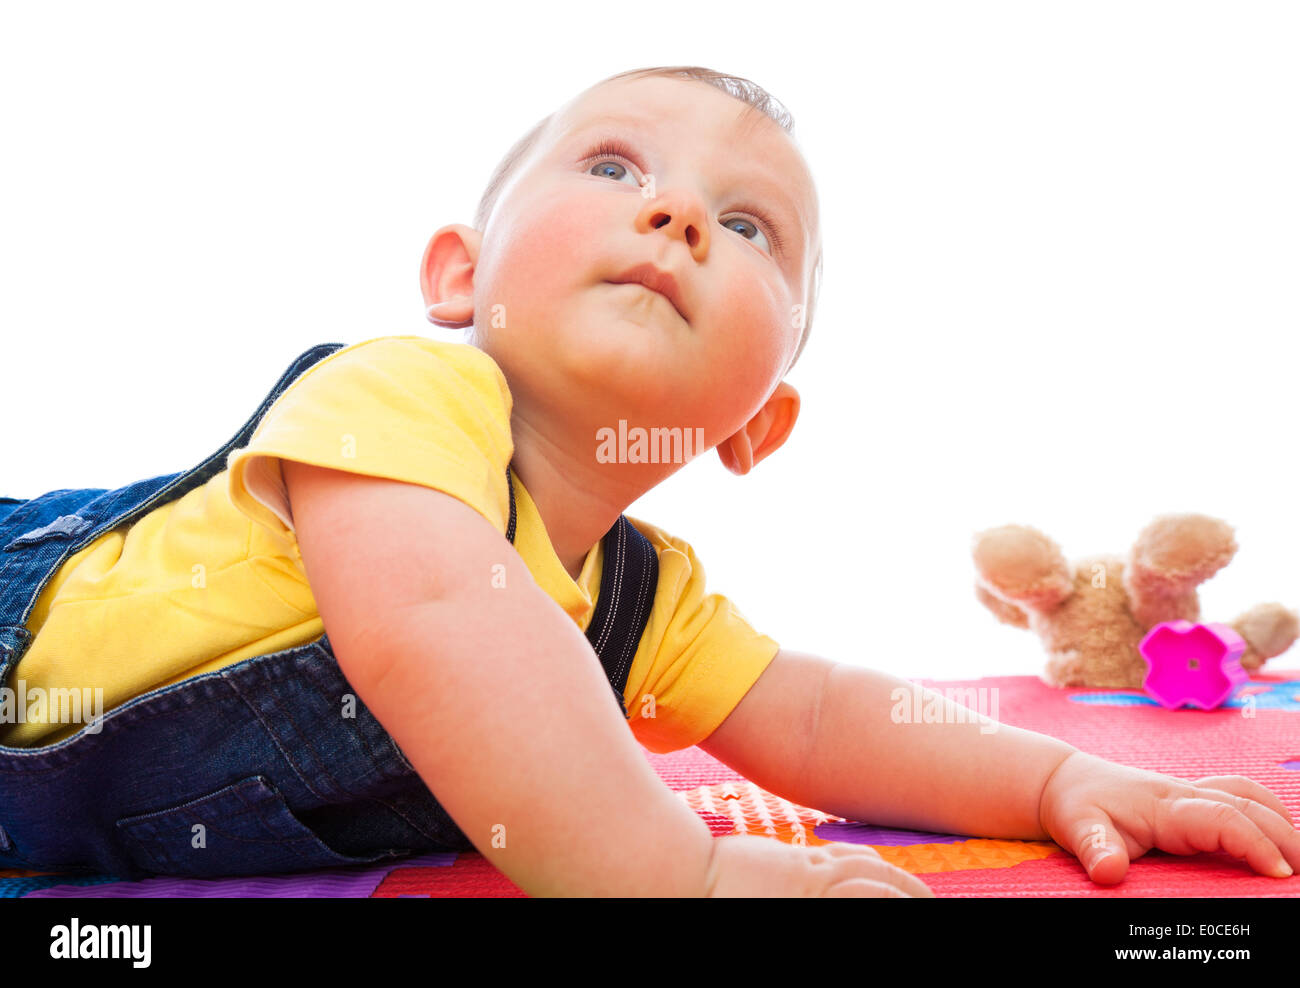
(613, 147)
(777, 242)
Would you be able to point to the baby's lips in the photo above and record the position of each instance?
(1195, 664)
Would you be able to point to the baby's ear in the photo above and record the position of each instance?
(763, 434)
(447, 275)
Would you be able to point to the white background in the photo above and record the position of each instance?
(1060, 287)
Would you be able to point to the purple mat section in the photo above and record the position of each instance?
(333, 883)
(20, 888)
(862, 833)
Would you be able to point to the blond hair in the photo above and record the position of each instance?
(750, 93)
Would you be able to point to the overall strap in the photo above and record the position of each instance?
(510, 529)
(628, 580)
(627, 593)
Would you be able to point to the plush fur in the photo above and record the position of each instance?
(1092, 615)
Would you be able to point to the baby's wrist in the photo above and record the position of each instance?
(1050, 788)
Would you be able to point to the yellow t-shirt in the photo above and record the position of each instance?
(215, 577)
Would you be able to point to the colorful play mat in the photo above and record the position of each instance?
(1256, 734)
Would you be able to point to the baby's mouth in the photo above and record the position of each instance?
(633, 284)
(653, 279)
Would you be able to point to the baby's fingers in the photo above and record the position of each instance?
(861, 888)
(1239, 785)
(864, 864)
(1192, 825)
(1237, 792)
(1099, 848)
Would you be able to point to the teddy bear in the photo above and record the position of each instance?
(1091, 616)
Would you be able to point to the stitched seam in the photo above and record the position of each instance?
(279, 841)
(413, 825)
(143, 817)
(371, 752)
(49, 573)
(629, 645)
(307, 743)
(339, 787)
(276, 740)
(616, 590)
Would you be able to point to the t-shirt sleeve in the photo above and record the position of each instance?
(401, 407)
(698, 657)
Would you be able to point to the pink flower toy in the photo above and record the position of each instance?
(1197, 664)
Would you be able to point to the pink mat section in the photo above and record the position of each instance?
(1258, 737)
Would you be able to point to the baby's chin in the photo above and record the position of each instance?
(618, 364)
(647, 338)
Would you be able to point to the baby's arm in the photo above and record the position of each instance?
(875, 753)
(915, 759)
(854, 742)
(493, 694)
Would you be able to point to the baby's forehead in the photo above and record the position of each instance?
(659, 98)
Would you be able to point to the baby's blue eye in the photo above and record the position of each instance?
(605, 167)
(753, 226)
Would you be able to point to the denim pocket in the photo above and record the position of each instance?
(242, 829)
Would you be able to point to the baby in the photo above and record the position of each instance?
(643, 264)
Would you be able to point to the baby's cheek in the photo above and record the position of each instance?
(759, 318)
(548, 241)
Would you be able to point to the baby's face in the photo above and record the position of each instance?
(732, 218)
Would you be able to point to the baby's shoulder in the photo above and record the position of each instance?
(429, 371)
(420, 349)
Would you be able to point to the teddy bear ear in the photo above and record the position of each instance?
(1022, 566)
(1176, 553)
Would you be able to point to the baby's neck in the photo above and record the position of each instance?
(578, 498)
(575, 510)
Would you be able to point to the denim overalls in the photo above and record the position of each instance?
(258, 753)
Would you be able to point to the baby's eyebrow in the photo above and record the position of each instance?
(770, 182)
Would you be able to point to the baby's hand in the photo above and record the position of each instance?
(1107, 814)
(748, 866)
